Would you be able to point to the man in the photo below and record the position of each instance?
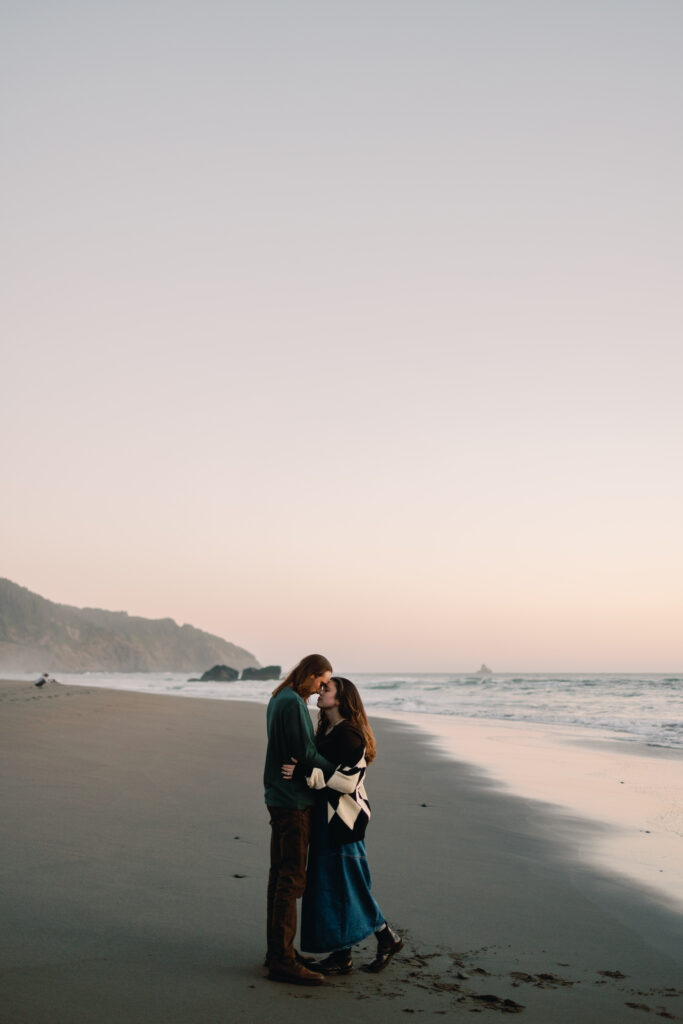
(289, 802)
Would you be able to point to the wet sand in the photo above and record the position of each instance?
(633, 791)
(135, 861)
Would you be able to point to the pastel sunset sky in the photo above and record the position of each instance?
(350, 326)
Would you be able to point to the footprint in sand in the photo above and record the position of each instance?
(505, 1005)
(540, 980)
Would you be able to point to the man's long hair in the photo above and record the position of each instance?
(311, 665)
(351, 708)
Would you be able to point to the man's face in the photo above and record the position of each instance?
(314, 684)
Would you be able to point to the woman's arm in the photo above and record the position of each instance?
(343, 779)
(347, 753)
(338, 769)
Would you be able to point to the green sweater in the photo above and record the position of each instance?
(290, 734)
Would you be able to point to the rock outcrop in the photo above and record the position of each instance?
(268, 672)
(220, 674)
(37, 635)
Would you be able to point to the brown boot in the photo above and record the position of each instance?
(293, 972)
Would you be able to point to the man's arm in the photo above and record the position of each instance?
(300, 733)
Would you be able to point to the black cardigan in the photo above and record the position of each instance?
(342, 745)
(348, 810)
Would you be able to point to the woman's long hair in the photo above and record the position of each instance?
(311, 665)
(351, 708)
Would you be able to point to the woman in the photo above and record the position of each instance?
(338, 908)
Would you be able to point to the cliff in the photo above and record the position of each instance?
(39, 635)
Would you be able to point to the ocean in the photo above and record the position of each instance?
(600, 747)
(640, 707)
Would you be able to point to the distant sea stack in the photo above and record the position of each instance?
(226, 674)
(268, 672)
(37, 635)
(218, 674)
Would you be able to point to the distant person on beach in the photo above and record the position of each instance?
(338, 908)
(289, 802)
(45, 678)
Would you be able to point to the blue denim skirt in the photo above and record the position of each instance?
(338, 908)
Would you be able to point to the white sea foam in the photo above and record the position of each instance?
(648, 708)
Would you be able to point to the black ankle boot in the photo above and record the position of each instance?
(336, 963)
(388, 943)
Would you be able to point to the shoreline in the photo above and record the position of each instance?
(655, 725)
(632, 791)
(137, 858)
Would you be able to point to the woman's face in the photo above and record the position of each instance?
(328, 695)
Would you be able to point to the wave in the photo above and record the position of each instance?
(648, 708)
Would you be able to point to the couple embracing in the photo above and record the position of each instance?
(315, 794)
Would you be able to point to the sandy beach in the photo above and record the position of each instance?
(135, 863)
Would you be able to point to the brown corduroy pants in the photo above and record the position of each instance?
(290, 835)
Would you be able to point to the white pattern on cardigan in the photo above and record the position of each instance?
(348, 810)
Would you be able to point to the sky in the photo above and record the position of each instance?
(351, 327)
